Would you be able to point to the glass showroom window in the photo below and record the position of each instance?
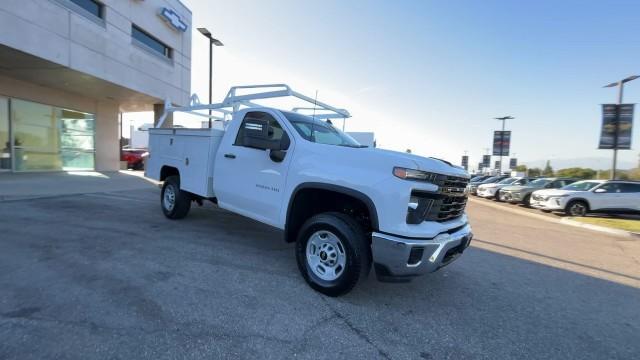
(5, 139)
(51, 138)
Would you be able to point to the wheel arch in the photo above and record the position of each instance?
(167, 171)
(310, 190)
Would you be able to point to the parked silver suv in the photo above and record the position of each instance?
(522, 193)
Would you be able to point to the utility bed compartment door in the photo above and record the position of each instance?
(191, 151)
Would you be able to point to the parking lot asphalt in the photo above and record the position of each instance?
(106, 276)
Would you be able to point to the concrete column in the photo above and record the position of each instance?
(107, 135)
(158, 109)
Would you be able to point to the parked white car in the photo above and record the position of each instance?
(583, 197)
(493, 190)
(346, 206)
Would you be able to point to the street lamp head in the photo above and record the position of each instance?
(625, 80)
(205, 32)
(216, 42)
(504, 118)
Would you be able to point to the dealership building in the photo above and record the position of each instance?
(69, 68)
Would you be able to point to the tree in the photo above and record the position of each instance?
(535, 172)
(521, 168)
(577, 173)
(548, 170)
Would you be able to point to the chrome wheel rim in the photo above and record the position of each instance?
(326, 255)
(169, 198)
(578, 209)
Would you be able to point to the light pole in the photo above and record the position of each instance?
(620, 85)
(504, 120)
(216, 42)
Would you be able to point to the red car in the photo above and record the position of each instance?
(134, 158)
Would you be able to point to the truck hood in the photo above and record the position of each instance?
(419, 162)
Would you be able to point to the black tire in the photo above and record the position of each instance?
(576, 208)
(181, 199)
(527, 201)
(354, 245)
(496, 197)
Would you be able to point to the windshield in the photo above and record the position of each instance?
(581, 186)
(507, 181)
(320, 132)
(539, 182)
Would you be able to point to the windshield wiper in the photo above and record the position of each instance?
(353, 146)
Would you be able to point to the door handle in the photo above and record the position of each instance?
(230, 156)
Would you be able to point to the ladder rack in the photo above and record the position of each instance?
(232, 103)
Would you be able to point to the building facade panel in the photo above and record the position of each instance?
(73, 67)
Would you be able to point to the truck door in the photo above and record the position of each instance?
(246, 179)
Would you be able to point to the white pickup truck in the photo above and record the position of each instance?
(347, 207)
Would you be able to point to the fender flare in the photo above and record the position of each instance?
(371, 207)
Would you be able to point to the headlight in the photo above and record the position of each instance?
(411, 174)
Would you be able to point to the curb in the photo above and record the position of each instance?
(563, 221)
(603, 229)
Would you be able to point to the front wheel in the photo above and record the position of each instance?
(175, 202)
(576, 208)
(333, 253)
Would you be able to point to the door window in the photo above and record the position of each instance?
(630, 188)
(611, 188)
(276, 132)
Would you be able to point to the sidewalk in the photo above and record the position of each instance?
(17, 186)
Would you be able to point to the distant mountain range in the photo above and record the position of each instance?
(593, 163)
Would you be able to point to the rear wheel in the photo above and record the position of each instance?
(496, 197)
(175, 202)
(333, 253)
(527, 200)
(577, 208)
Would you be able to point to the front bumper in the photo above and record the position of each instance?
(551, 204)
(487, 192)
(397, 258)
(512, 197)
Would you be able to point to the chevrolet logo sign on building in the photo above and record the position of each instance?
(172, 18)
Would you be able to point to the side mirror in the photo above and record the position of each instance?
(256, 135)
(278, 155)
(600, 191)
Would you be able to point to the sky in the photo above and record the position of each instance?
(432, 75)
